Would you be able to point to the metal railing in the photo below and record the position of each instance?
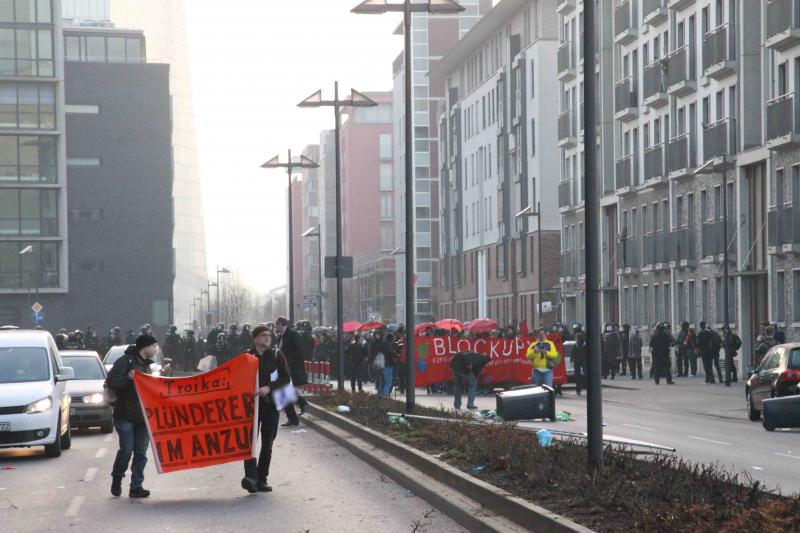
(569, 267)
(718, 139)
(625, 94)
(718, 45)
(566, 61)
(648, 6)
(654, 162)
(653, 79)
(782, 15)
(622, 17)
(680, 66)
(565, 193)
(783, 115)
(680, 153)
(624, 172)
(566, 125)
(784, 226)
(628, 253)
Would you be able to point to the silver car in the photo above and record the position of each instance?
(90, 407)
(161, 366)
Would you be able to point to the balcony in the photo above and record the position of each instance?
(718, 139)
(628, 255)
(783, 114)
(625, 175)
(682, 248)
(566, 62)
(648, 251)
(680, 72)
(565, 194)
(784, 230)
(662, 239)
(654, 163)
(714, 240)
(565, 7)
(626, 99)
(783, 24)
(679, 4)
(719, 52)
(625, 21)
(566, 129)
(569, 267)
(654, 12)
(654, 94)
(681, 156)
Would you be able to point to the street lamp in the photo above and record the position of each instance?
(209, 284)
(222, 270)
(377, 7)
(316, 232)
(356, 99)
(529, 212)
(290, 165)
(25, 251)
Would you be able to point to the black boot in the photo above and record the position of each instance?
(116, 486)
(249, 485)
(141, 492)
(263, 486)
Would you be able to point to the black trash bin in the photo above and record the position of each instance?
(527, 403)
(781, 412)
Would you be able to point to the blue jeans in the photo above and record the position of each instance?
(542, 377)
(133, 440)
(386, 381)
(472, 388)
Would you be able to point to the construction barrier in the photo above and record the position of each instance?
(319, 374)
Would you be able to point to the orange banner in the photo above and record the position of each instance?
(203, 420)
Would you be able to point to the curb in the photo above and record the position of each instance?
(499, 501)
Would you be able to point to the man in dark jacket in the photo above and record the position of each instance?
(273, 374)
(173, 348)
(466, 367)
(579, 358)
(128, 418)
(291, 345)
(635, 354)
(681, 350)
(731, 344)
(660, 344)
(625, 337)
(705, 346)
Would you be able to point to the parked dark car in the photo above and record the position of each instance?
(778, 375)
(90, 407)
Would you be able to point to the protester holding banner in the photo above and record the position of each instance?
(128, 417)
(273, 374)
(543, 355)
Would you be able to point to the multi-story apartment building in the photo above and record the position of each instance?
(433, 36)
(327, 219)
(309, 281)
(688, 89)
(498, 160)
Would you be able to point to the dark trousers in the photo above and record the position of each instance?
(291, 414)
(662, 369)
(357, 376)
(268, 419)
(708, 369)
(692, 356)
(636, 366)
(610, 366)
(683, 363)
(580, 377)
(715, 358)
(730, 368)
(624, 365)
(133, 440)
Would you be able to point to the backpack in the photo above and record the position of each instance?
(111, 393)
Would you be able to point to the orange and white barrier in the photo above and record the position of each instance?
(319, 374)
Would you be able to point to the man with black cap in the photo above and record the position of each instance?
(128, 418)
(273, 374)
(659, 346)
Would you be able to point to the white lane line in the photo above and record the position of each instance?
(90, 473)
(634, 426)
(75, 506)
(788, 455)
(712, 441)
(107, 438)
(100, 453)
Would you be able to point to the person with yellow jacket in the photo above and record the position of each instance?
(540, 353)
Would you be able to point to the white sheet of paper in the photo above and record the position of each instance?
(274, 376)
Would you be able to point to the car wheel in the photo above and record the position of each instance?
(752, 413)
(54, 450)
(107, 428)
(769, 426)
(66, 439)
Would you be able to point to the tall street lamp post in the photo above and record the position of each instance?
(529, 211)
(290, 166)
(222, 270)
(316, 232)
(356, 100)
(378, 7)
(28, 250)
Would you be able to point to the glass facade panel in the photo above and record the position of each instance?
(134, 51)
(28, 213)
(116, 49)
(96, 48)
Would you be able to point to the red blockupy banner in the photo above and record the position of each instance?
(508, 362)
(202, 420)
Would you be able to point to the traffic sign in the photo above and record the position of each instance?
(546, 307)
(37, 317)
(37, 307)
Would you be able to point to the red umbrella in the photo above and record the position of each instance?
(420, 328)
(482, 325)
(450, 324)
(351, 327)
(369, 326)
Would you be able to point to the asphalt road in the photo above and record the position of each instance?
(318, 486)
(704, 423)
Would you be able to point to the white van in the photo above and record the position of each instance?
(34, 403)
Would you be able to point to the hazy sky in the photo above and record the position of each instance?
(252, 62)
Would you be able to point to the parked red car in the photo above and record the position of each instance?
(777, 375)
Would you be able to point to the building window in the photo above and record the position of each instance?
(160, 313)
(27, 105)
(533, 137)
(26, 52)
(692, 303)
(780, 297)
(28, 212)
(36, 269)
(385, 145)
(28, 159)
(83, 162)
(387, 237)
(26, 11)
(386, 206)
(386, 178)
(704, 296)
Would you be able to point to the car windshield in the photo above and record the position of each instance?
(22, 365)
(794, 359)
(115, 353)
(84, 367)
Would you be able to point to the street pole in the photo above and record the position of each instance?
(594, 399)
(728, 360)
(219, 317)
(409, 141)
(319, 264)
(339, 303)
(291, 244)
(539, 258)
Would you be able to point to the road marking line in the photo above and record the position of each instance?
(100, 453)
(788, 455)
(634, 426)
(712, 441)
(107, 439)
(75, 506)
(90, 473)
